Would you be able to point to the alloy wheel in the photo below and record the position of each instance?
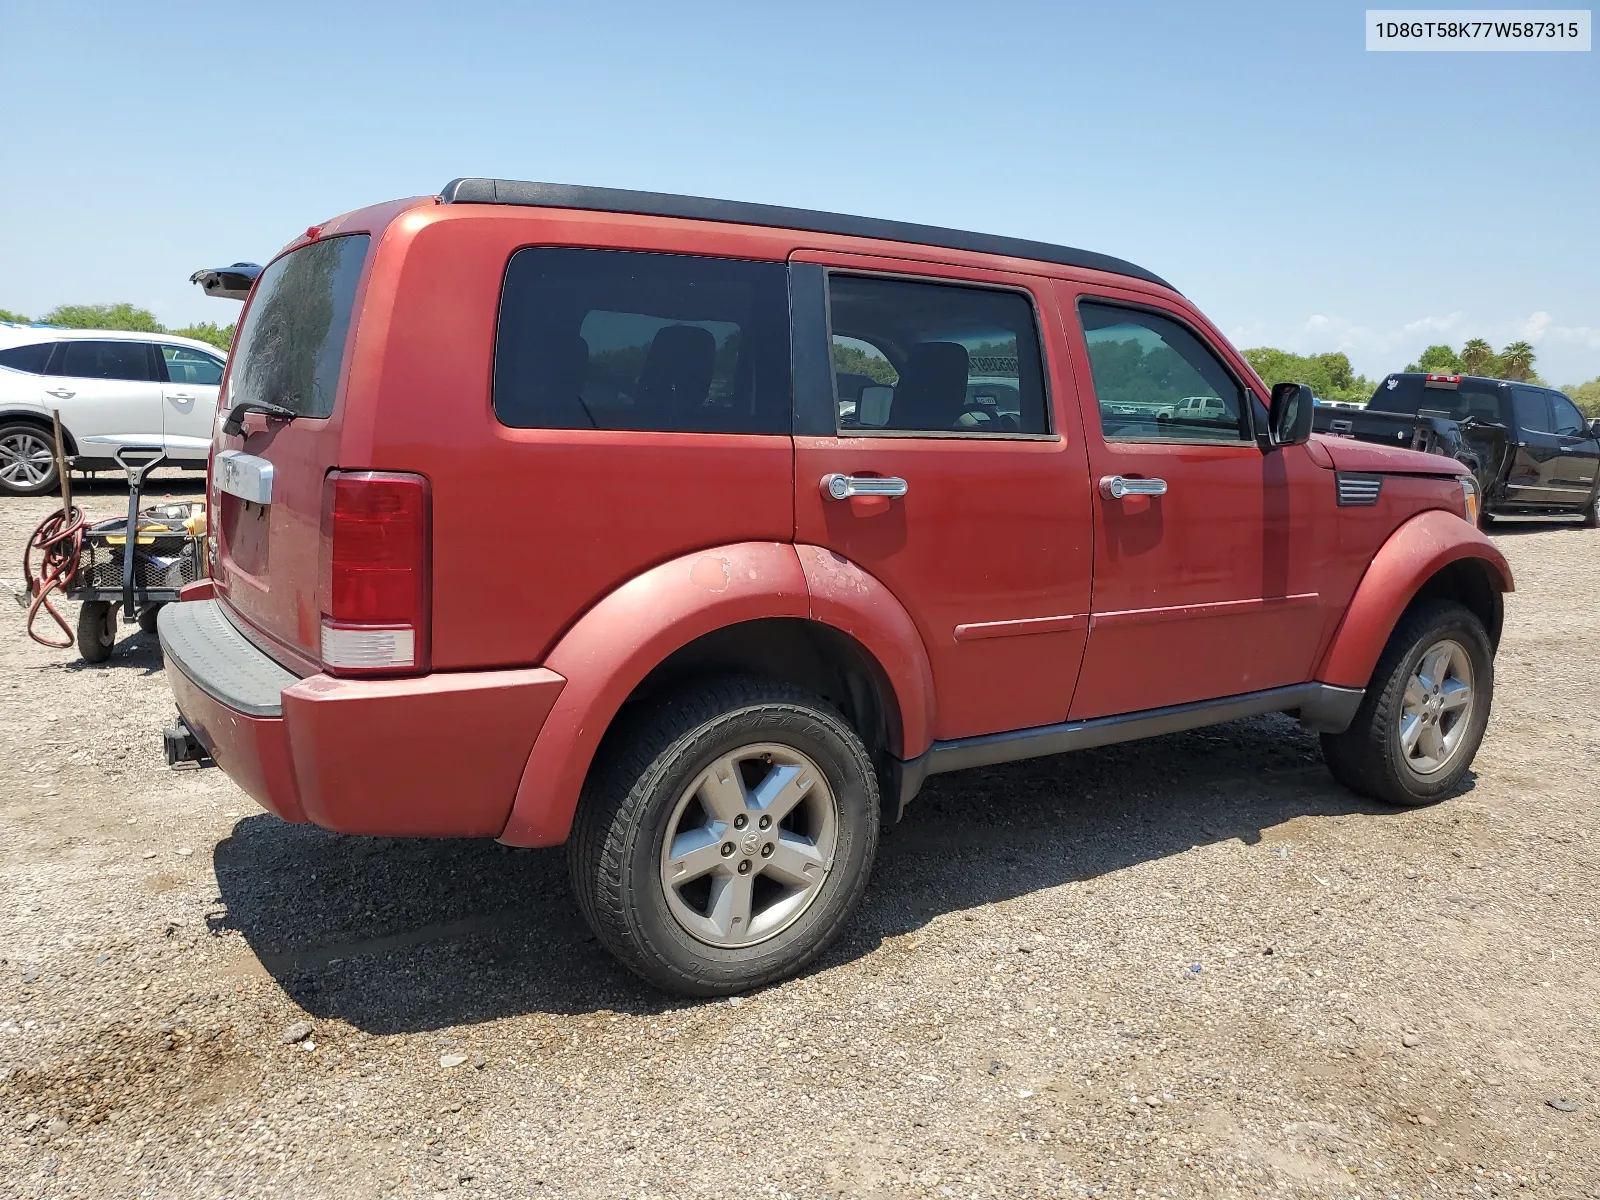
(1436, 710)
(749, 845)
(25, 459)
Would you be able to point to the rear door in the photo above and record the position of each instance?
(1579, 451)
(189, 399)
(1208, 588)
(981, 525)
(107, 393)
(1536, 452)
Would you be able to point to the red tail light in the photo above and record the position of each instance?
(375, 569)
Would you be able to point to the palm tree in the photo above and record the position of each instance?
(1517, 360)
(1476, 355)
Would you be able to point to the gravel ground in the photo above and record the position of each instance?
(1186, 967)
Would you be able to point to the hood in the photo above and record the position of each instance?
(1351, 455)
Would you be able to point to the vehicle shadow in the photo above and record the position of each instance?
(397, 935)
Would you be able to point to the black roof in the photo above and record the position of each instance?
(661, 204)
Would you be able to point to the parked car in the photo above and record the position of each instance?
(112, 388)
(1530, 450)
(535, 519)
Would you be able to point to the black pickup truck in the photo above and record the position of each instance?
(1529, 448)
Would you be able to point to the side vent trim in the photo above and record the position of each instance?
(1358, 491)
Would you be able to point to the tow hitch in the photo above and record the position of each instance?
(182, 746)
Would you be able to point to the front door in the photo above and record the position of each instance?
(189, 400)
(940, 405)
(1578, 451)
(1204, 557)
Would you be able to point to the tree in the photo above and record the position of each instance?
(103, 316)
(1477, 356)
(1438, 360)
(15, 318)
(220, 336)
(1329, 376)
(1517, 361)
(1586, 396)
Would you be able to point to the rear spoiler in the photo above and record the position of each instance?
(228, 283)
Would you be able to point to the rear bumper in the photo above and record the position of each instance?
(438, 756)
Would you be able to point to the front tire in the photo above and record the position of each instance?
(725, 835)
(27, 460)
(97, 630)
(1422, 719)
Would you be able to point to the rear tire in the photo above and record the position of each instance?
(27, 460)
(725, 835)
(1422, 719)
(97, 630)
(1591, 515)
(147, 618)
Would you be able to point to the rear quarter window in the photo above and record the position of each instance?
(31, 359)
(616, 339)
(292, 344)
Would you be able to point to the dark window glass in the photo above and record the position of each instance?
(617, 339)
(934, 358)
(292, 343)
(1569, 421)
(1533, 410)
(191, 366)
(105, 360)
(1156, 381)
(27, 358)
(1407, 394)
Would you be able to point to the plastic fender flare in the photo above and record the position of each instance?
(1414, 553)
(852, 600)
(619, 641)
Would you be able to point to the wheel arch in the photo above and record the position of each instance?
(29, 416)
(1433, 555)
(747, 608)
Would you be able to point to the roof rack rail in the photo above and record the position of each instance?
(661, 204)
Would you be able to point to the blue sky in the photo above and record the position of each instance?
(1305, 193)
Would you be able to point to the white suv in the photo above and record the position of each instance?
(112, 389)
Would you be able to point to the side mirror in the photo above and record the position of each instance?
(1594, 427)
(1289, 415)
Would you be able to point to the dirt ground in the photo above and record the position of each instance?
(1182, 968)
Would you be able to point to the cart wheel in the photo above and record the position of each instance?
(97, 630)
(147, 618)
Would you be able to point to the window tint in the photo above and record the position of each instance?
(1469, 399)
(27, 358)
(616, 339)
(105, 360)
(1533, 410)
(291, 345)
(1157, 381)
(1569, 421)
(191, 366)
(934, 358)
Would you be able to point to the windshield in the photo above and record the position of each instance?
(1408, 394)
(291, 346)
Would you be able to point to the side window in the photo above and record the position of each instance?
(1533, 410)
(31, 359)
(618, 339)
(1156, 381)
(934, 358)
(191, 366)
(1569, 421)
(106, 360)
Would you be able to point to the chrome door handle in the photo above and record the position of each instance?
(842, 487)
(59, 393)
(1115, 487)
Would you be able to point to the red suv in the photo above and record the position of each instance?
(695, 535)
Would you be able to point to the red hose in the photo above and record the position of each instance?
(59, 539)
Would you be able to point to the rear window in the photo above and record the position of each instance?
(26, 358)
(617, 339)
(1406, 394)
(292, 344)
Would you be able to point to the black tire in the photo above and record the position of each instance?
(97, 630)
(644, 769)
(26, 438)
(1591, 515)
(1368, 757)
(147, 618)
